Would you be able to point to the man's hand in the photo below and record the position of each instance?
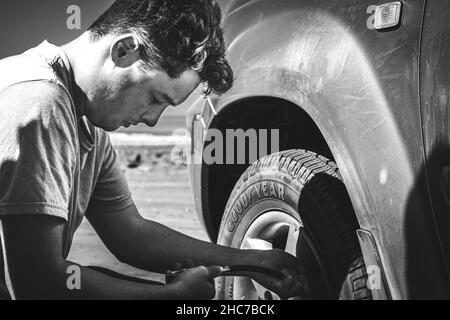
(196, 283)
(294, 282)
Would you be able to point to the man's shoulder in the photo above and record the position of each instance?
(41, 100)
(40, 93)
(25, 67)
(29, 79)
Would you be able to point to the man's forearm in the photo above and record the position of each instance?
(37, 270)
(59, 284)
(157, 248)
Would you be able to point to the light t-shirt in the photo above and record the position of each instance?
(52, 160)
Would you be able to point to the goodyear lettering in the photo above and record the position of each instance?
(272, 191)
(264, 188)
(239, 208)
(257, 191)
(281, 191)
(245, 201)
(234, 216)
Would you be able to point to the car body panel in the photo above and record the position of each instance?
(361, 88)
(435, 96)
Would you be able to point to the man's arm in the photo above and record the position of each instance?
(38, 271)
(151, 246)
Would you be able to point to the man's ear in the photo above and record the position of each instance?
(125, 50)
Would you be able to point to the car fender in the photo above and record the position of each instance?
(322, 66)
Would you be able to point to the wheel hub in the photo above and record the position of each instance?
(273, 230)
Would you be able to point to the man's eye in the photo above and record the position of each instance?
(153, 100)
(156, 101)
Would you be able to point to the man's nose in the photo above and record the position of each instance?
(161, 106)
(150, 120)
(164, 105)
(146, 118)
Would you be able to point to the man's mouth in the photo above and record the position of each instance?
(129, 123)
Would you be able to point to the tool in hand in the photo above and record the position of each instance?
(232, 270)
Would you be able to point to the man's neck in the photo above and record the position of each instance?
(77, 54)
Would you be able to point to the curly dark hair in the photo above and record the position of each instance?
(175, 35)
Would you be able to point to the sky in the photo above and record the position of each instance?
(26, 23)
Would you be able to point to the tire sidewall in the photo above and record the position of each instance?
(255, 196)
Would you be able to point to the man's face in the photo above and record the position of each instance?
(132, 95)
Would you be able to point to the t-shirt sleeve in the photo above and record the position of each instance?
(37, 149)
(111, 192)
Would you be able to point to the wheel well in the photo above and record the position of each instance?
(297, 130)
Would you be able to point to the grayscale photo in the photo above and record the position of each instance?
(198, 151)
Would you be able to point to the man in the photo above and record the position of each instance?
(57, 163)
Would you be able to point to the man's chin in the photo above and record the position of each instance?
(108, 128)
(102, 125)
(111, 128)
(151, 124)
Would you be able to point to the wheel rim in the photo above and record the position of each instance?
(279, 230)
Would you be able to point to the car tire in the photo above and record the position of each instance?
(296, 201)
